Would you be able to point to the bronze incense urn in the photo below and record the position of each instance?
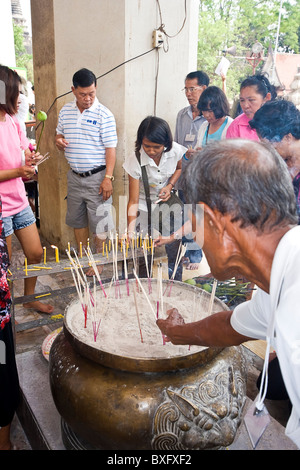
(189, 400)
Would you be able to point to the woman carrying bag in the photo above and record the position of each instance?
(153, 172)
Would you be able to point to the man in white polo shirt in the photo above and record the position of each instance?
(250, 229)
(86, 132)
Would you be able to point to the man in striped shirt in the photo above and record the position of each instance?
(86, 132)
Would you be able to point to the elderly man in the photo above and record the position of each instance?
(250, 229)
(86, 132)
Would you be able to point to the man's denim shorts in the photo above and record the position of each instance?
(18, 221)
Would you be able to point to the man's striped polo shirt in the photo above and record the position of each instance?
(88, 134)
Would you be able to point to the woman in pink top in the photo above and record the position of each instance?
(18, 217)
(255, 91)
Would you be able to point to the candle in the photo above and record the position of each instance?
(80, 249)
(56, 253)
(106, 252)
(103, 248)
(26, 266)
(44, 249)
(69, 247)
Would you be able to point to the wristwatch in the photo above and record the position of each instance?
(110, 177)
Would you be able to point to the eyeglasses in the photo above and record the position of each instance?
(191, 89)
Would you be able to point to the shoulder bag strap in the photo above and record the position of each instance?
(146, 188)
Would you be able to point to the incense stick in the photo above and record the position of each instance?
(115, 267)
(212, 297)
(193, 312)
(94, 310)
(146, 262)
(137, 314)
(45, 157)
(180, 253)
(144, 292)
(160, 303)
(125, 268)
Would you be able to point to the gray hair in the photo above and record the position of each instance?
(246, 179)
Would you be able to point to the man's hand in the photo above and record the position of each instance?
(106, 188)
(166, 326)
(61, 143)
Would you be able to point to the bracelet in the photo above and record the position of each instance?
(171, 184)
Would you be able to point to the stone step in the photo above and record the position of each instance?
(37, 412)
(42, 423)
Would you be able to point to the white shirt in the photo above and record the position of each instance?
(186, 129)
(203, 129)
(158, 176)
(22, 114)
(252, 319)
(89, 133)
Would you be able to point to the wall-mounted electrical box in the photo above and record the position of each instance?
(157, 38)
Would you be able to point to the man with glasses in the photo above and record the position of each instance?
(188, 123)
(189, 119)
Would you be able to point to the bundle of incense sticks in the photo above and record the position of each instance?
(86, 297)
(96, 271)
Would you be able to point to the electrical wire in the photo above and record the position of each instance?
(160, 28)
(162, 25)
(166, 48)
(156, 81)
(97, 78)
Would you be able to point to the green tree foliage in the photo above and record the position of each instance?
(240, 23)
(23, 59)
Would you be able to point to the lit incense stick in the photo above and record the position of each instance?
(212, 297)
(143, 290)
(137, 314)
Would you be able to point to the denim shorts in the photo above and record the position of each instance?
(18, 221)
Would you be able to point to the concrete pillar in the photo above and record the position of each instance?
(101, 35)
